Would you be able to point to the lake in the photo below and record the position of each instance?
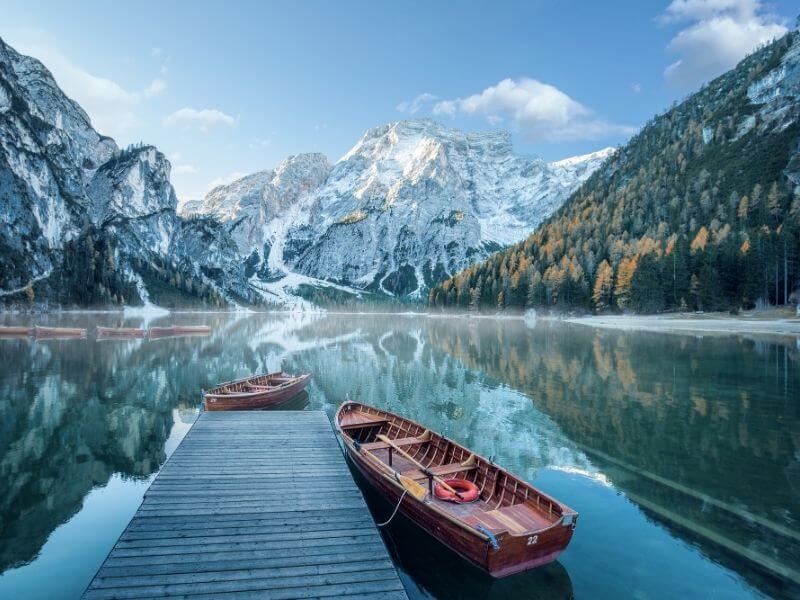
(681, 453)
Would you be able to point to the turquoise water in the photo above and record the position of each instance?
(681, 453)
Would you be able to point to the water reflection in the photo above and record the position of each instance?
(701, 433)
(683, 450)
(430, 570)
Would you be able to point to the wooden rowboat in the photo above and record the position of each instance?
(255, 393)
(59, 332)
(120, 332)
(510, 527)
(16, 331)
(159, 332)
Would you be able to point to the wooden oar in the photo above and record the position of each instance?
(415, 489)
(422, 467)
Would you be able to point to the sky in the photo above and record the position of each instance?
(229, 88)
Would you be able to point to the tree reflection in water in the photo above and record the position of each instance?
(699, 433)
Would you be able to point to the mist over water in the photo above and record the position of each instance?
(681, 453)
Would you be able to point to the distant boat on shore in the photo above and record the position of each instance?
(16, 331)
(120, 332)
(59, 332)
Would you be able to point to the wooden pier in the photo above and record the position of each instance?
(251, 505)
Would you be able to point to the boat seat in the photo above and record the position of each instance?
(508, 520)
(409, 441)
(356, 420)
(440, 471)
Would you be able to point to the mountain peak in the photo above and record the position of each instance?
(572, 161)
(411, 133)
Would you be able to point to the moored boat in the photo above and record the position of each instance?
(121, 332)
(485, 514)
(15, 331)
(59, 332)
(255, 393)
(175, 330)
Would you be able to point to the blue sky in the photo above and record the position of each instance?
(230, 88)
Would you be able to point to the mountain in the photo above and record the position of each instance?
(411, 203)
(86, 223)
(700, 210)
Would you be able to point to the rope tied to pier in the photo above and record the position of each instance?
(396, 508)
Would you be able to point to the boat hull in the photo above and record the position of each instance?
(59, 332)
(514, 555)
(258, 400)
(529, 527)
(16, 331)
(120, 332)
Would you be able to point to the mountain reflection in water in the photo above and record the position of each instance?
(681, 453)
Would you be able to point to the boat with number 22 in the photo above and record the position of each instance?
(492, 518)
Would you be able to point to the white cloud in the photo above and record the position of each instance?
(637, 88)
(417, 103)
(541, 111)
(155, 88)
(717, 35)
(224, 180)
(682, 10)
(155, 51)
(184, 170)
(203, 119)
(111, 107)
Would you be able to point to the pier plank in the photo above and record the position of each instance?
(251, 505)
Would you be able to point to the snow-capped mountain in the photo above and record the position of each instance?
(78, 212)
(410, 203)
(84, 222)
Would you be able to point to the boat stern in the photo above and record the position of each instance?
(518, 553)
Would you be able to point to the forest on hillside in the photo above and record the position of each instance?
(697, 212)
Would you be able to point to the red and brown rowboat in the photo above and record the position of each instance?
(59, 332)
(16, 331)
(511, 527)
(120, 332)
(255, 393)
(159, 332)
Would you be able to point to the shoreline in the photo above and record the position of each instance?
(694, 324)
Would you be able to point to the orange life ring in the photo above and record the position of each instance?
(467, 491)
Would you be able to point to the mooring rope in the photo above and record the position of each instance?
(403, 495)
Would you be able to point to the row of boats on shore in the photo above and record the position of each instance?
(476, 508)
(40, 332)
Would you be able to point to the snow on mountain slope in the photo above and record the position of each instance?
(410, 203)
(254, 208)
(68, 192)
(48, 150)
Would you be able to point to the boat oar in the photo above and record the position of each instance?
(422, 467)
(415, 489)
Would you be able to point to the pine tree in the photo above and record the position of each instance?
(646, 293)
(622, 289)
(774, 209)
(744, 209)
(694, 290)
(475, 298)
(603, 286)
